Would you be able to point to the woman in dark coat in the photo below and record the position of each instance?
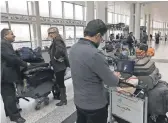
(59, 61)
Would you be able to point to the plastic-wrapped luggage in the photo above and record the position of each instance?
(29, 55)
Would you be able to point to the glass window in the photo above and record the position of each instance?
(44, 33)
(119, 18)
(85, 14)
(4, 25)
(69, 31)
(79, 32)
(109, 17)
(60, 28)
(78, 12)
(3, 6)
(44, 8)
(21, 31)
(68, 10)
(123, 19)
(56, 9)
(141, 23)
(17, 45)
(16, 8)
(115, 19)
(127, 20)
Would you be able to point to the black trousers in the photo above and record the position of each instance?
(60, 78)
(9, 98)
(132, 50)
(92, 116)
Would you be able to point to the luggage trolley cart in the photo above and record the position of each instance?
(128, 107)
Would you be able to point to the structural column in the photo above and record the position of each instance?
(148, 25)
(89, 11)
(132, 18)
(37, 24)
(137, 21)
(145, 16)
(101, 7)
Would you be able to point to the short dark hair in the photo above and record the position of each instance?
(4, 32)
(94, 27)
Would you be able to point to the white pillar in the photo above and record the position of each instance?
(137, 21)
(89, 11)
(164, 28)
(132, 18)
(36, 25)
(152, 27)
(148, 25)
(145, 16)
(101, 7)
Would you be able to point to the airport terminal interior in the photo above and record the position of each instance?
(30, 20)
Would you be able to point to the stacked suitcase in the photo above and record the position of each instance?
(147, 72)
(38, 83)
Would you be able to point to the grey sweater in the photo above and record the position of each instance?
(90, 71)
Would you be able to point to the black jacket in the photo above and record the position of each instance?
(130, 41)
(10, 63)
(58, 55)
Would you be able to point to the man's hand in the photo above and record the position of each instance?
(117, 74)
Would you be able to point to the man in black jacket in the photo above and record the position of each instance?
(9, 66)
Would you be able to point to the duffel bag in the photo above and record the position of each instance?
(158, 99)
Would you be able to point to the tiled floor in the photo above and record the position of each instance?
(53, 114)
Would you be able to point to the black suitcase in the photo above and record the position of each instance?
(38, 76)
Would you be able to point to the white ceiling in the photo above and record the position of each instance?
(158, 10)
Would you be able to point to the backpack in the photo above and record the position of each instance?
(158, 99)
(151, 52)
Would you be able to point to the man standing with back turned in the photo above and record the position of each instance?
(90, 72)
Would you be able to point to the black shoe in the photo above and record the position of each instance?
(61, 103)
(19, 120)
(63, 97)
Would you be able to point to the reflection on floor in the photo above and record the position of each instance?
(53, 114)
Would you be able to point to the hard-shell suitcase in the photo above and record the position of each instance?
(150, 80)
(144, 70)
(142, 62)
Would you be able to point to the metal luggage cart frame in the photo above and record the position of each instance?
(120, 106)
